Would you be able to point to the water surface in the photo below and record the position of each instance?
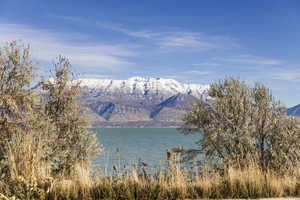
(128, 146)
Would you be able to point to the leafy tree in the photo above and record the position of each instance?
(240, 123)
(21, 111)
(18, 103)
(74, 143)
(49, 117)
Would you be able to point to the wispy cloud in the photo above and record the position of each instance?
(249, 59)
(190, 76)
(285, 74)
(174, 38)
(47, 45)
(96, 76)
(206, 64)
(164, 40)
(117, 28)
(196, 72)
(185, 39)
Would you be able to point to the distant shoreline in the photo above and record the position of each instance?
(137, 124)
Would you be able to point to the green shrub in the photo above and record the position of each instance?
(241, 124)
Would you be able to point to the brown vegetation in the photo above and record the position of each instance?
(173, 183)
(46, 149)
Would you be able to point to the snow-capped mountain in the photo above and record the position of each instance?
(143, 87)
(139, 101)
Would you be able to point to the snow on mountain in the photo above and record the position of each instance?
(139, 102)
(142, 87)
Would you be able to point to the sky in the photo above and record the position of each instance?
(191, 41)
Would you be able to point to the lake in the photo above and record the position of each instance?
(128, 146)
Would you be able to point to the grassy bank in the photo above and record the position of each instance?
(173, 183)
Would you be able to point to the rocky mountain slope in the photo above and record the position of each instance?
(294, 110)
(139, 102)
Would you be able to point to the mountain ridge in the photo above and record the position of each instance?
(139, 101)
(295, 110)
(142, 101)
(143, 86)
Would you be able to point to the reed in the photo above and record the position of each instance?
(171, 183)
(26, 174)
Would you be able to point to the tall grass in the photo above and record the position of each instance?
(250, 182)
(27, 176)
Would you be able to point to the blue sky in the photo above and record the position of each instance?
(192, 41)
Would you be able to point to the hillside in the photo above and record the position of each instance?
(139, 102)
(294, 110)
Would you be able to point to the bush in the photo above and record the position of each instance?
(74, 143)
(241, 123)
(43, 130)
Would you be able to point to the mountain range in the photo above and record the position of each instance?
(139, 101)
(143, 102)
(294, 110)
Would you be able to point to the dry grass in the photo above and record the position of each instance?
(172, 184)
(27, 177)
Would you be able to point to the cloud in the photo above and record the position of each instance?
(186, 39)
(164, 39)
(206, 64)
(251, 60)
(96, 76)
(285, 75)
(196, 72)
(117, 28)
(174, 39)
(47, 45)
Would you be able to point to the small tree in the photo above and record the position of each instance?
(51, 120)
(15, 98)
(21, 116)
(41, 131)
(20, 106)
(241, 123)
(74, 143)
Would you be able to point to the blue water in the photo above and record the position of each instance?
(129, 146)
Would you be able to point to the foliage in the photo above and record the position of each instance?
(241, 123)
(249, 182)
(45, 147)
(21, 110)
(74, 143)
(16, 101)
(43, 129)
